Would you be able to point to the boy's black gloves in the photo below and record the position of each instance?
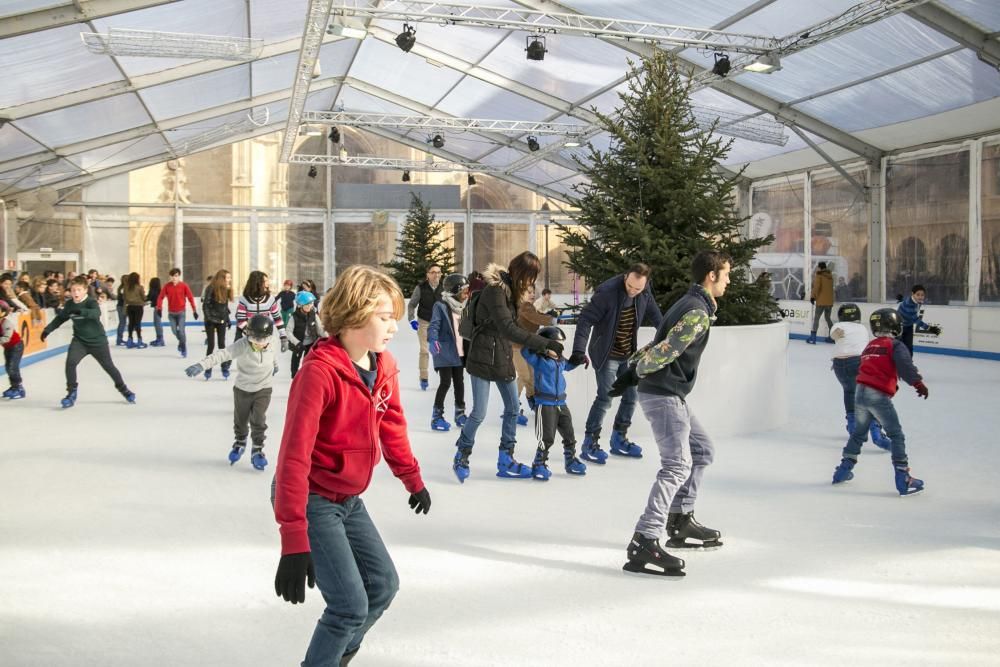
(420, 501)
(921, 390)
(579, 359)
(629, 378)
(554, 346)
(290, 580)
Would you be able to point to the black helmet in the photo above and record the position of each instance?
(454, 283)
(260, 328)
(552, 333)
(849, 312)
(886, 321)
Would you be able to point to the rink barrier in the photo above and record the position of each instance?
(926, 349)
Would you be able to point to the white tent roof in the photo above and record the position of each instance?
(925, 75)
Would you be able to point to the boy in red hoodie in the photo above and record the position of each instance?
(328, 453)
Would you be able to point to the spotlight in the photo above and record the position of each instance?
(722, 64)
(764, 65)
(471, 180)
(406, 176)
(334, 135)
(406, 39)
(437, 141)
(312, 171)
(535, 47)
(532, 144)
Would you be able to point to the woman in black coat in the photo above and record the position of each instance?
(490, 360)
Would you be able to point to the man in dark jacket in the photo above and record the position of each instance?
(425, 295)
(611, 321)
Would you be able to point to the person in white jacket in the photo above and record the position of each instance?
(850, 338)
(256, 365)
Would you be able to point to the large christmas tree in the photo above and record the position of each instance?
(655, 196)
(420, 244)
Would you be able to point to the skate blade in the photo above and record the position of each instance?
(633, 567)
(694, 546)
(911, 493)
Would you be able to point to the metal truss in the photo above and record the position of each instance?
(254, 119)
(542, 153)
(370, 162)
(543, 22)
(426, 122)
(317, 17)
(155, 44)
(738, 124)
(67, 13)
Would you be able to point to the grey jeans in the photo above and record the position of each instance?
(251, 406)
(685, 452)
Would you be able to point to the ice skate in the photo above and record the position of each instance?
(208, 373)
(258, 459)
(460, 417)
(508, 468)
(236, 453)
(522, 419)
(225, 373)
(591, 451)
(461, 463)
(905, 484)
(15, 393)
(423, 385)
(645, 556)
(812, 338)
(70, 399)
(539, 470)
(686, 533)
(574, 466)
(622, 446)
(128, 395)
(438, 422)
(843, 472)
(140, 345)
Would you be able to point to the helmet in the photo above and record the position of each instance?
(849, 312)
(552, 333)
(886, 321)
(260, 328)
(304, 298)
(454, 283)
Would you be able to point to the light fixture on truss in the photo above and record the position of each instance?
(156, 44)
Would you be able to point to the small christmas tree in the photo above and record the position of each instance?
(655, 197)
(420, 244)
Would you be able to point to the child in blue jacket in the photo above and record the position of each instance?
(910, 311)
(551, 411)
(448, 349)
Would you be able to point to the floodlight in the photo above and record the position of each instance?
(533, 144)
(437, 141)
(312, 171)
(535, 47)
(406, 39)
(406, 175)
(334, 135)
(572, 143)
(764, 65)
(722, 64)
(341, 28)
(310, 131)
(471, 180)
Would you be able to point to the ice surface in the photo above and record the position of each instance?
(127, 539)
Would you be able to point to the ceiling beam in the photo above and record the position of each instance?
(955, 27)
(70, 13)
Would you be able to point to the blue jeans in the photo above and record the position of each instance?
(846, 371)
(12, 363)
(120, 309)
(872, 404)
(158, 324)
(354, 573)
(177, 329)
(480, 401)
(606, 376)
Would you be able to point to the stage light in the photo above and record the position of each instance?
(437, 141)
(532, 144)
(535, 47)
(334, 135)
(722, 64)
(312, 171)
(406, 176)
(764, 65)
(471, 180)
(406, 39)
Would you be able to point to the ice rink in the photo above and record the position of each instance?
(127, 539)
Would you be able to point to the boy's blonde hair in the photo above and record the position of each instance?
(353, 298)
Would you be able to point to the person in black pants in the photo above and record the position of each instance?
(215, 306)
(305, 328)
(448, 349)
(135, 299)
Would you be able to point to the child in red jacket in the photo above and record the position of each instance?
(344, 412)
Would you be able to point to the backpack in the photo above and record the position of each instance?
(467, 325)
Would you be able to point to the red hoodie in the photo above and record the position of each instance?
(330, 444)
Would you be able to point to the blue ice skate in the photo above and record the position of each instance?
(622, 446)
(208, 373)
(574, 466)
(460, 417)
(461, 463)
(423, 385)
(539, 470)
(258, 460)
(128, 395)
(508, 468)
(70, 399)
(843, 472)
(591, 451)
(236, 453)
(15, 393)
(438, 422)
(522, 419)
(905, 484)
(225, 373)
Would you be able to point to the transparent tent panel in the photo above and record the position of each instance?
(553, 253)
(275, 20)
(152, 245)
(742, 151)
(353, 99)
(321, 100)
(502, 157)
(63, 233)
(467, 43)
(210, 246)
(291, 249)
(984, 12)
(780, 210)
(38, 175)
(788, 17)
(473, 98)
(497, 242)
(989, 282)
(406, 74)
(14, 144)
(51, 63)
(177, 98)
(371, 243)
(120, 153)
(85, 121)
(278, 72)
(703, 14)
(840, 229)
(544, 172)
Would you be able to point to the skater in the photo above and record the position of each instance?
(425, 295)
(306, 328)
(883, 361)
(489, 359)
(256, 365)
(910, 310)
(665, 371)
(618, 308)
(135, 299)
(257, 300)
(152, 295)
(448, 349)
(850, 338)
(551, 411)
(822, 300)
(529, 319)
(215, 306)
(286, 301)
(176, 292)
(89, 338)
(13, 350)
(344, 413)
(545, 305)
(119, 310)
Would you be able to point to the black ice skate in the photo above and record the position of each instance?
(686, 533)
(645, 556)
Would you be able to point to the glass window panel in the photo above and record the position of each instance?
(552, 252)
(291, 250)
(403, 73)
(85, 121)
(984, 12)
(473, 98)
(780, 210)
(50, 63)
(371, 243)
(15, 144)
(497, 243)
(927, 227)
(120, 153)
(198, 92)
(989, 282)
(840, 234)
(210, 246)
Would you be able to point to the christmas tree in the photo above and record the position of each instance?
(655, 196)
(421, 243)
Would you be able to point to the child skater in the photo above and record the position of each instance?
(850, 338)
(883, 360)
(448, 349)
(257, 300)
(306, 328)
(551, 411)
(909, 311)
(256, 365)
(13, 350)
(344, 412)
(89, 338)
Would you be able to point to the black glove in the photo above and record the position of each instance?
(420, 501)
(284, 345)
(934, 330)
(45, 334)
(290, 580)
(578, 359)
(554, 346)
(196, 369)
(921, 390)
(629, 378)
(812, 301)
(195, 313)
